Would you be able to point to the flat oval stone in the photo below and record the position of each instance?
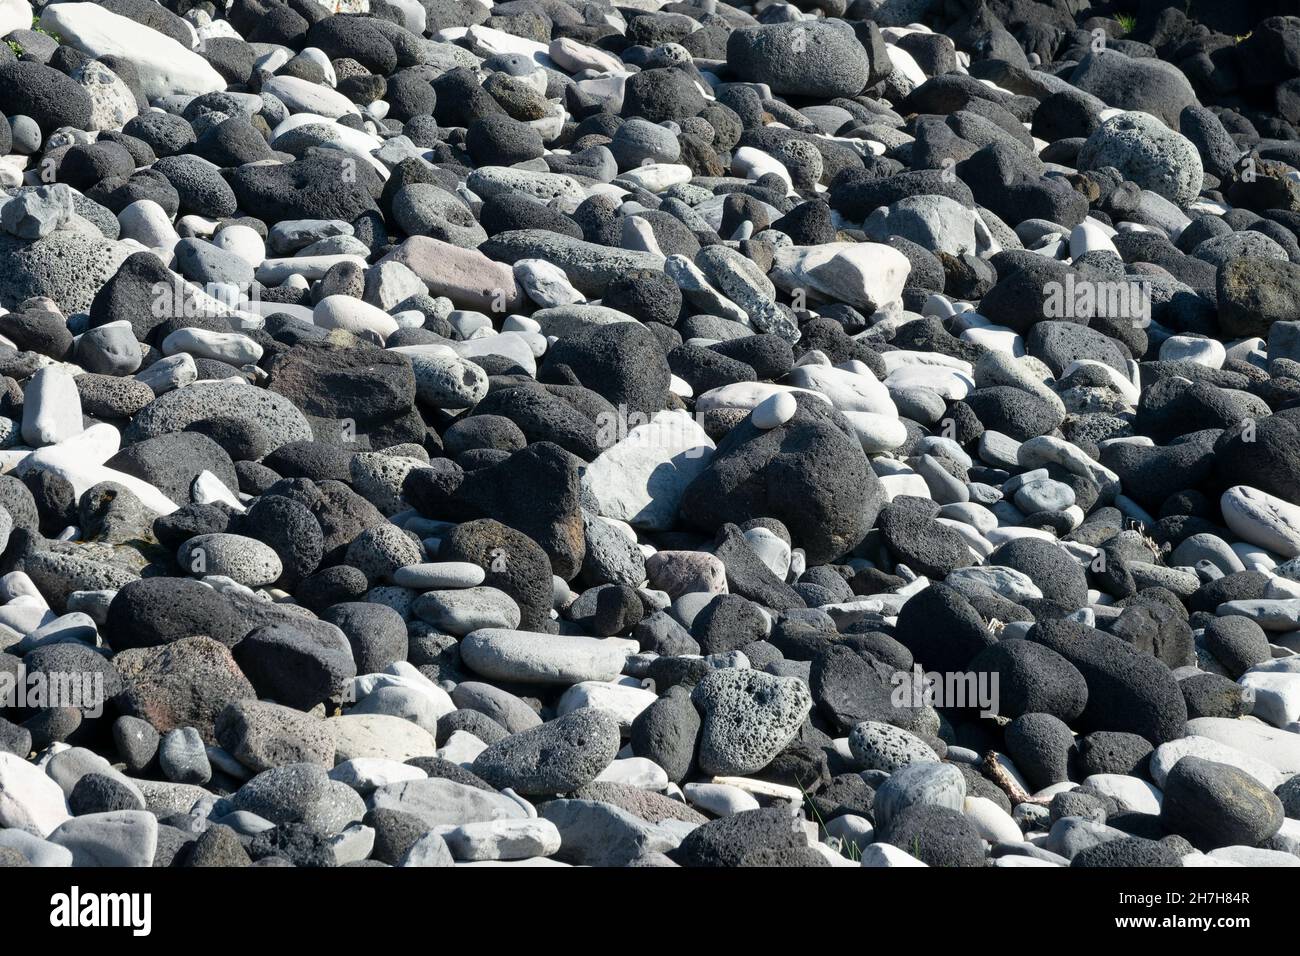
(443, 574)
(469, 609)
(508, 655)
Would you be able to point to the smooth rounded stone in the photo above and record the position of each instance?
(262, 735)
(1216, 805)
(1013, 585)
(242, 241)
(508, 655)
(1044, 495)
(29, 799)
(136, 741)
(595, 833)
(245, 560)
(1071, 835)
(776, 409)
(429, 849)
(1271, 614)
(1206, 547)
(1276, 694)
(637, 772)
(719, 799)
(1270, 744)
(992, 823)
(304, 96)
(183, 757)
(887, 855)
(51, 408)
(503, 840)
(1244, 856)
(114, 838)
(418, 705)
(642, 477)
(502, 706)
(229, 347)
(380, 735)
(556, 757)
(638, 140)
(461, 748)
(936, 223)
(936, 784)
(1166, 756)
(878, 746)
(1262, 519)
(1131, 794)
(748, 718)
(108, 349)
(36, 851)
(467, 609)
(353, 315)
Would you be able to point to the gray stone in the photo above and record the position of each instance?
(878, 746)
(35, 213)
(507, 655)
(558, 757)
(442, 802)
(1147, 152)
(748, 718)
(116, 838)
(939, 784)
(183, 757)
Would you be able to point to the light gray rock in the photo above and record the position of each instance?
(507, 655)
(246, 560)
(29, 800)
(35, 213)
(183, 757)
(935, 784)
(441, 802)
(116, 838)
(52, 408)
(1147, 152)
(503, 840)
(464, 610)
(748, 718)
(878, 746)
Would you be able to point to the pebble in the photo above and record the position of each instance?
(392, 478)
(503, 654)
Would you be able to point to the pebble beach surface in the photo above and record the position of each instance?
(568, 433)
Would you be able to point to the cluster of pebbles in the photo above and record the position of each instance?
(562, 432)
